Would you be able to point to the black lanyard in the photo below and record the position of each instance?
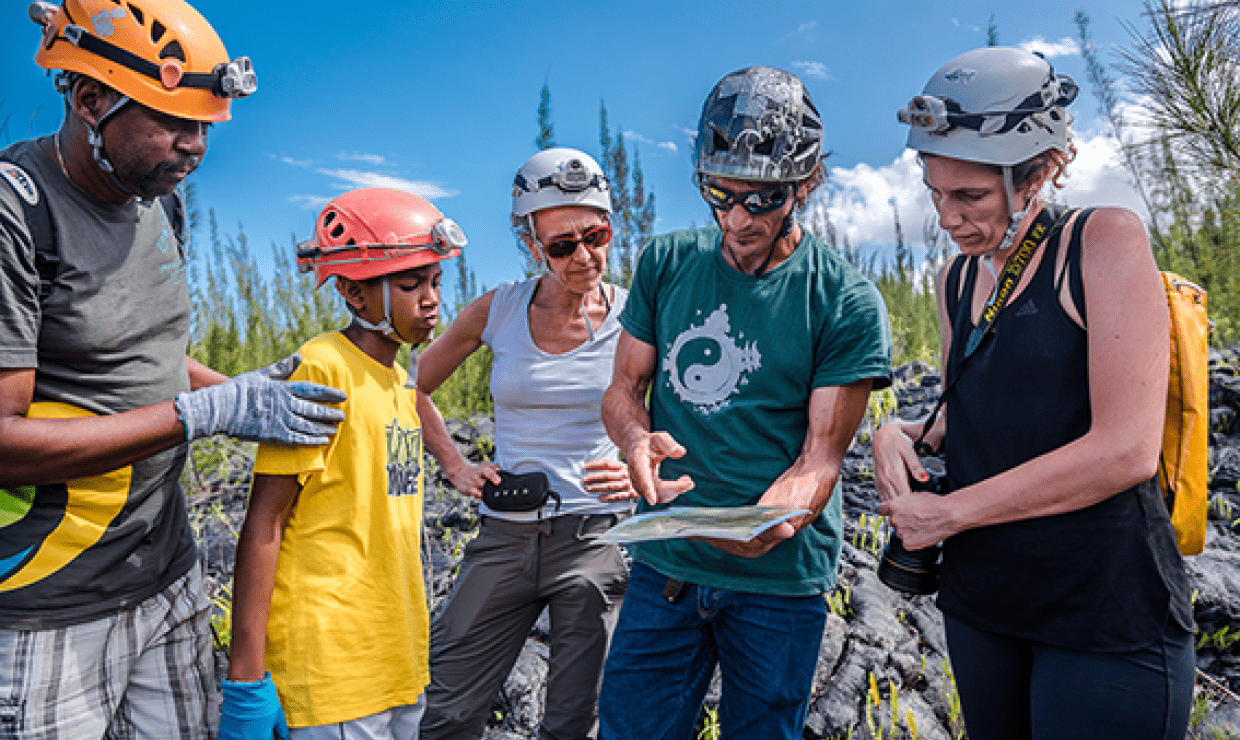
(1005, 284)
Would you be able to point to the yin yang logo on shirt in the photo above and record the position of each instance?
(705, 366)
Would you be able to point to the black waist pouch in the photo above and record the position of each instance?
(519, 492)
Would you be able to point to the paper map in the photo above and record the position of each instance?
(733, 523)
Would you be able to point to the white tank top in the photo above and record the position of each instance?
(547, 407)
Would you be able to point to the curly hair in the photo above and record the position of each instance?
(814, 179)
(1052, 164)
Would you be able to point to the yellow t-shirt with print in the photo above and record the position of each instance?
(347, 633)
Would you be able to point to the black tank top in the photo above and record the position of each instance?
(1104, 578)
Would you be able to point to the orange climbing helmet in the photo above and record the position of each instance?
(161, 53)
(372, 232)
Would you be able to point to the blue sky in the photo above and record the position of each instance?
(440, 98)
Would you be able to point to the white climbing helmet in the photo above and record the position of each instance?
(558, 177)
(995, 105)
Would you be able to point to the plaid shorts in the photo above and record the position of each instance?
(147, 672)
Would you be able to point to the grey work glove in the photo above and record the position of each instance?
(259, 406)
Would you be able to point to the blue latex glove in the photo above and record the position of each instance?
(259, 406)
(251, 711)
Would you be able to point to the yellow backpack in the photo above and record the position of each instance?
(1183, 473)
(1182, 468)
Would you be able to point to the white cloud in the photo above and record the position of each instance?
(1051, 49)
(805, 30)
(295, 162)
(812, 69)
(668, 145)
(310, 202)
(859, 198)
(1098, 177)
(634, 136)
(364, 179)
(375, 159)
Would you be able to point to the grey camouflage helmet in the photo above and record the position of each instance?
(759, 124)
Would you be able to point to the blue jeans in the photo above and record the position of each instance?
(663, 657)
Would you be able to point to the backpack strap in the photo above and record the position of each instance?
(1072, 266)
(38, 216)
(42, 227)
(951, 286)
(174, 211)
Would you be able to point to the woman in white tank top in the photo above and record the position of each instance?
(554, 339)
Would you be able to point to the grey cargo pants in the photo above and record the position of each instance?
(510, 572)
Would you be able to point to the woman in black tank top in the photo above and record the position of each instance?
(1065, 599)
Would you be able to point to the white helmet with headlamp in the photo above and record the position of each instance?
(998, 106)
(557, 177)
(994, 105)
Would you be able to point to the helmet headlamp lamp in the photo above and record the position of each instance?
(236, 79)
(570, 176)
(446, 236)
(926, 111)
(940, 115)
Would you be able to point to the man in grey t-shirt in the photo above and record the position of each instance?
(105, 626)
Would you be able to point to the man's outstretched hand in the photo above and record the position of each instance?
(644, 459)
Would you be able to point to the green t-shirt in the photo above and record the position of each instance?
(737, 358)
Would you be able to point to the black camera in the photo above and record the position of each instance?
(915, 571)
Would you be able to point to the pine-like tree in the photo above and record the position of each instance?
(1187, 166)
(633, 206)
(546, 129)
(544, 140)
(1108, 105)
(643, 215)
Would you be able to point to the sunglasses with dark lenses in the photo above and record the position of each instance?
(756, 203)
(594, 237)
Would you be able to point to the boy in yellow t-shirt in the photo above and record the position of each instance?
(329, 609)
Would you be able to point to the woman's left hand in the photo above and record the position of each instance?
(921, 519)
(610, 480)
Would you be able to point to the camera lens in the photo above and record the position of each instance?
(915, 571)
(910, 571)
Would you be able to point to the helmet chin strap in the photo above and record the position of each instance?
(546, 266)
(1009, 236)
(94, 136)
(385, 326)
(1016, 216)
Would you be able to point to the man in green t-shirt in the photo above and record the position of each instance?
(759, 346)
